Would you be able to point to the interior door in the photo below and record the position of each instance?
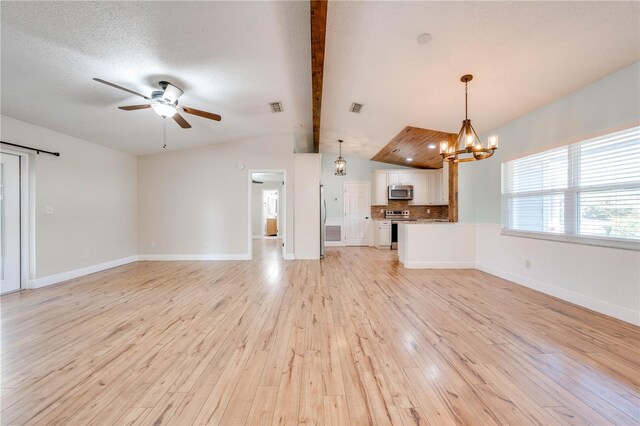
(9, 223)
(357, 212)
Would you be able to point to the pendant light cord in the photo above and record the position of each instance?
(466, 115)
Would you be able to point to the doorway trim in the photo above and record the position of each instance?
(26, 222)
(344, 210)
(283, 208)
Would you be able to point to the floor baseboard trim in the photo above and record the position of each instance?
(75, 273)
(170, 257)
(438, 265)
(289, 256)
(334, 244)
(619, 312)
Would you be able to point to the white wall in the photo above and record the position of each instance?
(603, 279)
(257, 206)
(307, 206)
(358, 169)
(194, 203)
(93, 192)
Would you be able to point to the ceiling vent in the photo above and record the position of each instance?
(276, 106)
(356, 107)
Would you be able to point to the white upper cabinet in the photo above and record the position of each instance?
(406, 177)
(400, 177)
(394, 177)
(420, 188)
(430, 187)
(379, 188)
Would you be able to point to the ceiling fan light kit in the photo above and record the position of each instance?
(164, 110)
(164, 102)
(467, 146)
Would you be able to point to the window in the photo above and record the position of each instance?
(588, 192)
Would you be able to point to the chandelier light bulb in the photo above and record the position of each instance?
(493, 142)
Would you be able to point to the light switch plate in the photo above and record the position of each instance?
(48, 210)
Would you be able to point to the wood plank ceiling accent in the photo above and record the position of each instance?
(413, 142)
(318, 33)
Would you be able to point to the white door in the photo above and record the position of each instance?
(357, 212)
(9, 223)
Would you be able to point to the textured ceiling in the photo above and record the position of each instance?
(230, 58)
(522, 55)
(233, 58)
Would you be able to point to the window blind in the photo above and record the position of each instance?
(584, 191)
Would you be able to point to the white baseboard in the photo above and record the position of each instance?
(615, 311)
(439, 265)
(257, 237)
(289, 256)
(68, 275)
(169, 257)
(334, 244)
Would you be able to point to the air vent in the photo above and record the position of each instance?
(276, 106)
(356, 107)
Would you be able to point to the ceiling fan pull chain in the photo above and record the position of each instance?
(164, 132)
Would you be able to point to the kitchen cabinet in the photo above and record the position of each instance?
(379, 188)
(382, 234)
(430, 187)
(400, 177)
(420, 188)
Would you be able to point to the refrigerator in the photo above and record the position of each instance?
(323, 220)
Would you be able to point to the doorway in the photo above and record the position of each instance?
(267, 220)
(270, 213)
(357, 214)
(10, 223)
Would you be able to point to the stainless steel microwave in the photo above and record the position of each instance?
(400, 192)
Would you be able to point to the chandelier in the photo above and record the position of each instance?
(467, 146)
(341, 164)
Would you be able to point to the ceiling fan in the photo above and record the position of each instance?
(164, 102)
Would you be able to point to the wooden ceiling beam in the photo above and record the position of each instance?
(318, 34)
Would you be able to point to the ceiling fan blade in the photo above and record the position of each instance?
(181, 121)
(199, 113)
(172, 93)
(134, 107)
(99, 80)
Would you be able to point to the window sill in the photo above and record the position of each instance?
(589, 241)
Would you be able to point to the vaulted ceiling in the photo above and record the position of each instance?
(233, 58)
(522, 55)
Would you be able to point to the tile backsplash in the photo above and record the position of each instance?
(415, 212)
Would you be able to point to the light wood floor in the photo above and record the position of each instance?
(352, 339)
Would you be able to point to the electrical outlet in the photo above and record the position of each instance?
(153, 243)
(381, 210)
(48, 210)
(87, 255)
(428, 211)
(527, 264)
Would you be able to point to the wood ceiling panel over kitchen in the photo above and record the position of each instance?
(413, 142)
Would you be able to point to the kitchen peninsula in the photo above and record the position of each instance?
(455, 248)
